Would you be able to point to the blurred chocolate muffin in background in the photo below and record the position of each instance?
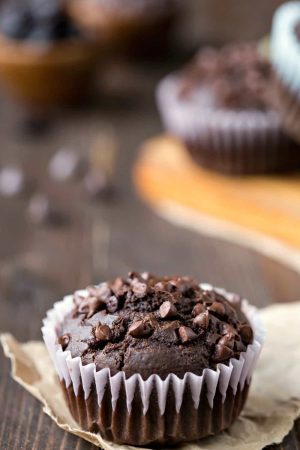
(219, 106)
(44, 59)
(126, 25)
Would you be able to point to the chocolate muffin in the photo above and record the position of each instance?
(285, 55)
(153, 361)
(220, 107)
(44, 59)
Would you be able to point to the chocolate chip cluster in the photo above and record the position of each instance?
(143, 312)
(237, 75)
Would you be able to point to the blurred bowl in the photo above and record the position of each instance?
(119, 28)
(46, 75)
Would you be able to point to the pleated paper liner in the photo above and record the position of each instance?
(261, 212)
(155, 411)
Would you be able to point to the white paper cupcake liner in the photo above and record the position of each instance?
(236, 373)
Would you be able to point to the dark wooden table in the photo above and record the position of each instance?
(39, 264)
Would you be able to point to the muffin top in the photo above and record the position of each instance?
(149, 325)
(36, 20)
(235, 77)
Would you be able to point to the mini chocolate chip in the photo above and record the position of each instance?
(112, 304)
(103, 333)
(171, 286)
(167, 310)
(140, 329)
(119, 287)
(207, 296)
(83, 306)
(222, 353)
(92, 290)
(186, 334)
(134, 276)
(198, 309)
(226, 329)
(183, 284)
(95, 304)
(160, 286)
(12, 181)
(65, 165)
(39, 209)
(202, 320)
(64, 340)
(227, 340)
(77, 298)
(102, 291)
(152, 321)
(169, 335)
(168, 331)
(218, 308)
(146, 276)
(239, 346)
(139, 289)
(246, 334)
(97, 184)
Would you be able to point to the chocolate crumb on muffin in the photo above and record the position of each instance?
(220, 107)
(154, 351)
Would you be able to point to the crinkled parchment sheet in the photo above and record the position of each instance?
(273, 405)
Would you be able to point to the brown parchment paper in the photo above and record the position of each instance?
(273, 405)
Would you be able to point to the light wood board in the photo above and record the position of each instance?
(262, 212)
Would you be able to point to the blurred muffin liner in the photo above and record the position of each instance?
(234, 142)
(153, 411)
(285, 55)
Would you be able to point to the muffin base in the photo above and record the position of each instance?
(250, 158)
(152, 428)
(287, 104)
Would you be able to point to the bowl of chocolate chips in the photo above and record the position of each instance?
(44, 59)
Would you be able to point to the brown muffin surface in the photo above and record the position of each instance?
(149, 325)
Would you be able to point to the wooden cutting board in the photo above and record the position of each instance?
(262, 212)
